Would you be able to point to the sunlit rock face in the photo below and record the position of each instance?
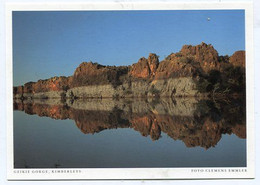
(145, 68)
(205, 54)
(238, 59)
(52, 84)
(203, 124)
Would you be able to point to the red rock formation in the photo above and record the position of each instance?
(89, 73)
(191, 61)
(238, 59)
(145, 68)
(205, 54)
(153, 62)
(28, 87)
(52, 84)
(174, 68)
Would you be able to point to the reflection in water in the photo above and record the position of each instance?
(195, 122)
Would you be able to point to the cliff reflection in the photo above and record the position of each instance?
(195, 122)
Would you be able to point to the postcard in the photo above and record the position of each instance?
(130, 91)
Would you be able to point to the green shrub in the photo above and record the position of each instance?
(231, 80)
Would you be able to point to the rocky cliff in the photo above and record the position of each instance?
(193, 71)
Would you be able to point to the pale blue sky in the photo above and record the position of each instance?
(47, 44)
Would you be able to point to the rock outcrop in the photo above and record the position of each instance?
(204, 54)
(52, 84)
(194, 71)
(89, 73)
(145, 68)
(238, 59)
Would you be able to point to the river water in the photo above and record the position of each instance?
(129, 133)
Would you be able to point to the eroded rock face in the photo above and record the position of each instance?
(53, 84)
(89, 73)
(201, 52)
(153, 62)
(175, 68)
(140, 69)
(238, 59)
(205, 54)
(191, 61)
(28, 87)
(145, 68)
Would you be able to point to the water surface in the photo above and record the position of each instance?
(129, 133)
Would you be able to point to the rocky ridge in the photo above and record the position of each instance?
(194, 71)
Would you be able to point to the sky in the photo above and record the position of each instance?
(54, 43)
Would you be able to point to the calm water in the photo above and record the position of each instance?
(129, 133)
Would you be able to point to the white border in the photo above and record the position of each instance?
(136, 173)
